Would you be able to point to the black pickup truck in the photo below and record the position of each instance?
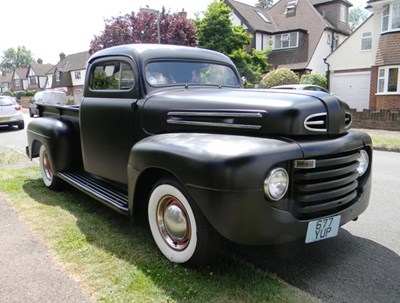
(168, 133)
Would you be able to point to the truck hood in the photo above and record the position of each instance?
(244, 111)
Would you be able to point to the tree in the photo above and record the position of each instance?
(265, 3)
(250, 65)
(15, 58)
(142, 28)
(216, 31)
(357, 16)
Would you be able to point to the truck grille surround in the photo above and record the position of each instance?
(333, 185)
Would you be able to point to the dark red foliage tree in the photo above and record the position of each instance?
(142, 28)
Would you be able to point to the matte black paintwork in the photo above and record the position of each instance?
(219, 142)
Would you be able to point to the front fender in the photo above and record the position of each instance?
(210, 161)
(58, 137)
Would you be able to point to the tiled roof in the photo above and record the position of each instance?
(72, 62)
(41, 69)
(21, 72)
(252, 17)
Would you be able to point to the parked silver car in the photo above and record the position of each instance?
(302, 87)
(11, 112)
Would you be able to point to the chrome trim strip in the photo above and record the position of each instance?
(218, 114)
(214, 124)
(322, 122)
(351, 120)
(178, 117)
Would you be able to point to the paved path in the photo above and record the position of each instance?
(27, 271)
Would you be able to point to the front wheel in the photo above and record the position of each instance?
(180, 231)
(46, 169)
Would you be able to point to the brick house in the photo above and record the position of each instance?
(19, 80)
(37, 75)
(365, 69)
(301, 33)
(69, 75)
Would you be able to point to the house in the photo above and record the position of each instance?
(365, 69)
(5, 81)
(69, 75)
(301, 33)
(19, 79)
(37, 75)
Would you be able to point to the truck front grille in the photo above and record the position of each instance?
(327, 188)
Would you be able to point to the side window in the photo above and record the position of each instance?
(112, 75)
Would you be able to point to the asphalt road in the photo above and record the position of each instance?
(362, 264)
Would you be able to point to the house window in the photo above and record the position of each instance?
(391, 17)
(17, 82)
(389, 80)
(58, 76)
(290, 9)
(32, 80)
(77, 75)
(343, 13)
(289, 40)
(366, 41)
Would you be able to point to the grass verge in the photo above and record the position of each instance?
(115, 260)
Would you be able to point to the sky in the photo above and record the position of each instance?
(50, 27)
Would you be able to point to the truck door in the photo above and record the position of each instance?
(107, 117)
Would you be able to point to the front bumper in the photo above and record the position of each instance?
(247, 218)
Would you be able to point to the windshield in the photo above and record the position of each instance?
(183, 73)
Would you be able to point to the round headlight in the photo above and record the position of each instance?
(363, 162)
(276, 184)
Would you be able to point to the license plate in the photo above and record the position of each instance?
(322, 229)
(5, 119)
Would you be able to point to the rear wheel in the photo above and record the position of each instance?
(179, 229)
(46, 170)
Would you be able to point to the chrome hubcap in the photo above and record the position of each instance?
(47, 168)
(173, 223)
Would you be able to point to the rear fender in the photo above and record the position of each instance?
(60, 140)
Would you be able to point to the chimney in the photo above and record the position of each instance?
(183, 14)
(62, 56)
(39, 61)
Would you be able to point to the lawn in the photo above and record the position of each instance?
(116, 260)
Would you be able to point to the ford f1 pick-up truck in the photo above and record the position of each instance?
(169, 134)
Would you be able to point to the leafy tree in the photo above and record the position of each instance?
(142, 28)
(357, 16)
(280, 76)
(265, 3)
(250, 65)
(216, 31)
(314, 78)
(15, 58)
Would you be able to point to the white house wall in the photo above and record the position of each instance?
(263, 41)
(322, 51)
(350, 56)
(75, 80)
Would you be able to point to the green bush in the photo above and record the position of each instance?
(20, 94)
(279, 76)
(8, 93)
(314, 78)
(30, 93)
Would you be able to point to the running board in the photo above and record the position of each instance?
(98, 189)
